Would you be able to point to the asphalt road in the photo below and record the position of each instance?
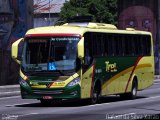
(146, 106)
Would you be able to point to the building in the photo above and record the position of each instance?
(141, 15)
(46, 12)
(15, 19)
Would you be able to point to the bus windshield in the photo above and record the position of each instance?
(50, 54)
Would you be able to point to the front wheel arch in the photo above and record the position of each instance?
(96, 92)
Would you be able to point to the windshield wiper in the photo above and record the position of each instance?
(61, 72)
(43, 73)
(46, 72)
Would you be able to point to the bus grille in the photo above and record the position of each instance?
(48, 92)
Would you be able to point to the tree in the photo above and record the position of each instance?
(101, 10)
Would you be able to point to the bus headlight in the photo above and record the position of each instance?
(74, 82)
(23, 82)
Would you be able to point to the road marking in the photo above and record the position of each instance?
(10, 97)
(156, 83)
(119, 117)
(17, 104)
(84, 106)
(27, 114)
(15, 116)
(157, 80)
(102, 104)
(10, 92)
(150, 89)
(98, 104)
(153, 97)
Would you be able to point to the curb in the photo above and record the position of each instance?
(157, 76)
(10, 94)
(9, 90)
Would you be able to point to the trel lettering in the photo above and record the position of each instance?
(111, 67)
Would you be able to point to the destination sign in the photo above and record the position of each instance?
(54, 39)
(65, 39)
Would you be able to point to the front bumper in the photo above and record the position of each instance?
(56, 93)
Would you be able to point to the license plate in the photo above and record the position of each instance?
(47, 97)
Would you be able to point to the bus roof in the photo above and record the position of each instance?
(81, 28)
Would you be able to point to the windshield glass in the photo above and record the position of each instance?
(50, 54)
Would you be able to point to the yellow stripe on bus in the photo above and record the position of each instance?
(122, 73)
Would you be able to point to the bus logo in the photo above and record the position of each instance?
(111, 67)
(48, 85)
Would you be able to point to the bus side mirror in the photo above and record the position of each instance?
(14, 50)
(81, 48)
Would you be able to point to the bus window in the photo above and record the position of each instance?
(98, 44)
(123, 45)
(102, 44)
(119, 45)
(127, 42)
(146, 45)
(113, 45)
(106, 46)
(109, 45)
(88, 49)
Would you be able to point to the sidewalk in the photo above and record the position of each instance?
(9, 90)
(14, 90)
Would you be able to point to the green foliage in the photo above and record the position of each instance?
(104, 11)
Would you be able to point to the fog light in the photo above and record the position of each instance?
(74, 93)
(23, 82)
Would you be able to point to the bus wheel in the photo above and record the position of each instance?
(133, 93)
(46, 102)
(96, 94)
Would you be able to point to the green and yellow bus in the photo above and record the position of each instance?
(84, 60)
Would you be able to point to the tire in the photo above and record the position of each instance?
(133, 93)
(96, 97)
(46, 102)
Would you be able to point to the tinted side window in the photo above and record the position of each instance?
(127, 42)
(107, 44)
(146, 47)
(137, 45)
